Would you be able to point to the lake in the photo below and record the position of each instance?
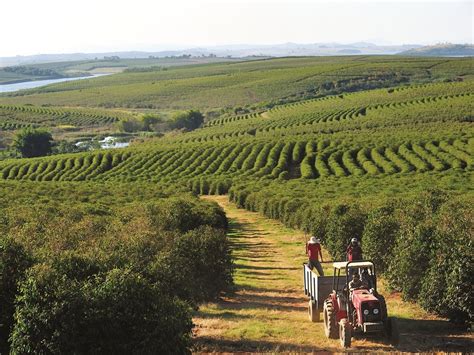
(37, 83)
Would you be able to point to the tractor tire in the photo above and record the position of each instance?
(313, 311)
(330, 326)
(383, 308)
(391, 331)
(345, 333)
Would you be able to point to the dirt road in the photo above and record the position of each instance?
(268, 309)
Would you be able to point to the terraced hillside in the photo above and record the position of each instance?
(284, 160)
(385, 131)
(392, 165)
(13, 117)
(375, 109)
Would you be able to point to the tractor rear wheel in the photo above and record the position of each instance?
(391, 331)
(383, 307)
(313, 311)
(345, 333)
(330, 326)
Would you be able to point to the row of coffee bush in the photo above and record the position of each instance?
(90, 278)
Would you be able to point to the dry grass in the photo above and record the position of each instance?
(267, 312)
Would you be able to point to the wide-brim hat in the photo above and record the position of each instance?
(313, 240)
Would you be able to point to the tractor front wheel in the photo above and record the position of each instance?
(345, 333)
(391, 331)
(330, 326)
(313, 311)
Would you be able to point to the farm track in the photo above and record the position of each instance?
(267, 311)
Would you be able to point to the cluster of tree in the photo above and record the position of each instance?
(112, 58)
(210, 55)
(87, 278)
(27, 70)
(188, 120)
(182, 56)
(132, 125)
(31, 142)
(146, 123)
(422, 245)
(146, 69)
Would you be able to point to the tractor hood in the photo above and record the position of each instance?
(368, 309)
(362, 296)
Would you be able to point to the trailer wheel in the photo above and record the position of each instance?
(313, 311)
(330, 327)
(345, 333)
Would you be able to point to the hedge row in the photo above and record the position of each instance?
(88, 278)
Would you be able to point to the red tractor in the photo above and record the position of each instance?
(346, 311)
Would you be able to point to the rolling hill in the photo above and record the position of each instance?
(442, 50)
(249, 84)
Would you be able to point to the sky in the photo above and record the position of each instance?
(69, 26)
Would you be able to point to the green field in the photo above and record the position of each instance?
(20, 73)
(381, 148)
(252, 83)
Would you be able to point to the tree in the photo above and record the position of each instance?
(64, 147)
(146, 123)
(32, 142)
(190, 120)
(130, 125)
(149, 121)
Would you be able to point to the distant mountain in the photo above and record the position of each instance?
(308, 49)
(442, 50)
(349, 51)
(235, 51)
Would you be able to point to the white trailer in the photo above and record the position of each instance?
(318, 288)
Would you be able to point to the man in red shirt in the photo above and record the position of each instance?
(313, 250)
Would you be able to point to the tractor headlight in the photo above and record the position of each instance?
(366, 312)
(376, 311)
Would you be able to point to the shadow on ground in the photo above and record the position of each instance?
(225, 345)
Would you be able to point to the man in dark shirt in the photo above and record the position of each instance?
(356, 283)
(354, 251)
